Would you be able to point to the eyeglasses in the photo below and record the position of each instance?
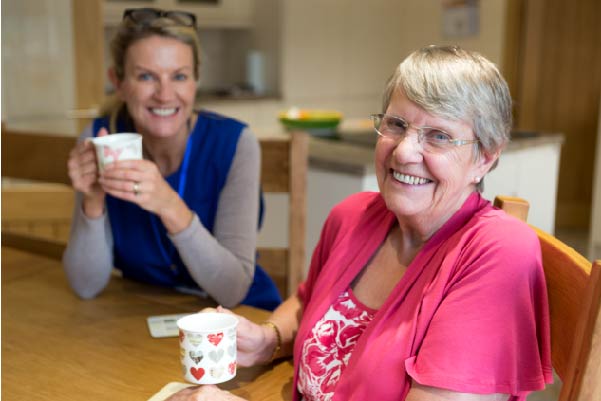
(145, 16)
(433, 140)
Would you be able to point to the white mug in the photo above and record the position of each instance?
(208, 347)
(113, 147)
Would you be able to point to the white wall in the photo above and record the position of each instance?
(339, 53)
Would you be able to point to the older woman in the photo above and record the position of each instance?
(186, 215)
(422, 291)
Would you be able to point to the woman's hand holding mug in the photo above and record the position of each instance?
(253, 345)
(83, 172)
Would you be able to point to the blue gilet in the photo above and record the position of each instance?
(142, 250)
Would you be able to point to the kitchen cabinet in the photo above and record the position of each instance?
(529, 169)
(38, 62)
(210, 14)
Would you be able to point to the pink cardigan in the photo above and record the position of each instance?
(469, 315)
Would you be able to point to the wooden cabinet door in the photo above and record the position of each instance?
(553, 62)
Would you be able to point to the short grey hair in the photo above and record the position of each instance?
(457, 84)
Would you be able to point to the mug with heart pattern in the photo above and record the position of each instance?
(119, 146)
(208, 347)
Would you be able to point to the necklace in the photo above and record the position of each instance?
(154, 219)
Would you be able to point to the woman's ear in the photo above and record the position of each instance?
(485, 162)
(112, 74)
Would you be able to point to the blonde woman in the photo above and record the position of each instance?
(186, 215)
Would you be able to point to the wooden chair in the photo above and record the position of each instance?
(574, 290)
(42, 157)
(36, 156)
(36, 218)
(284, 170)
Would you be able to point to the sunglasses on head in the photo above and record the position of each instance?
(147, 15)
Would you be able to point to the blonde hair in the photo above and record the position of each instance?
(457, 84)
(130, 32)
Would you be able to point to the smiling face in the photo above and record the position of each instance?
(158, 86)
(425, 189)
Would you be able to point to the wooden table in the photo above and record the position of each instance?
(58, 347)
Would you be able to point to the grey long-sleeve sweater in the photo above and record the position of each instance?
(222, 264)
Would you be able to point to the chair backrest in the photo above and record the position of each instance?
(36, 218)
(36, 156)
(284, 170)
(574, 290)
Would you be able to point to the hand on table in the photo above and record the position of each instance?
(207, 392)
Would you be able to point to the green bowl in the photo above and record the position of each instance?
(310, 119)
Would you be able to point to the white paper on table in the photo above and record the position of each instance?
(169, 389)
(164, 325)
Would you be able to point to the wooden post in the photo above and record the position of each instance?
(88, 47)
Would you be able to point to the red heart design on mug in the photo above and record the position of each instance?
(215, 339)
(232, 368)
(197, 372)
(108, 152)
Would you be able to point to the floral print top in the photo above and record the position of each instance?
(327, 350)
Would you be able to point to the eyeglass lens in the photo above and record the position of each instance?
(392, 127)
